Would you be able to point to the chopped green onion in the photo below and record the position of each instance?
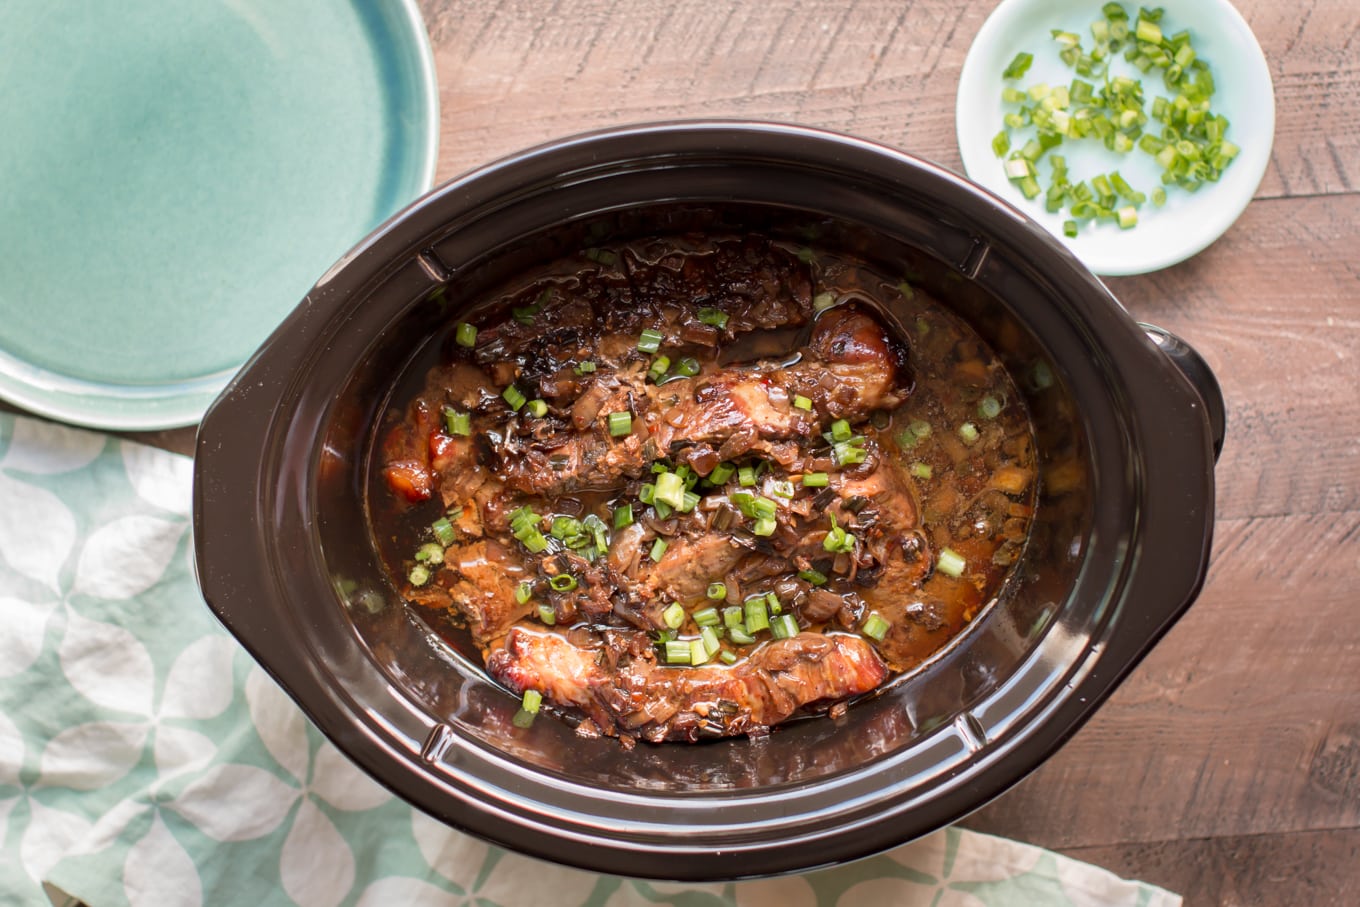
(710, 640)
(815, 479)
(658, 549)
(1148, 32)
(782, 488)
(801, 402)
(673, 616)
(874, 626)
(732, 616)
(676, 651)
(649, 341)
(585, 367)
(524, 591)
(989, 407)
(746, 476)
(950, 563)
(525, 314)
(716, 591)
(419, 575)
(815, 577)
(1018, 66)
(430, 553)
(784, 627)
(547, 615)
(595, 527)
(772, 600)
(968, 433)
(921, 470)
(728, 657)
(1069, 228)
(456, 423)
(698, 652)
(623, 516)
(707, 617)
(1001, 143)
(823, 301)
(764, 508)
(563, 582)
(465, 335)
(840, 430)
(837, 539)
(647, 493)
(538, 408)
(620, 424)
(565, 527)
(764, 526)
(660, 365)
(740, 635)
(688, 367)
(535, 542)
(721, 473)
(757, 615)
(670, 489)
(848, 453)
(443, 531)
(1128, 217)
(715, 317)
(512, 396)
(691, 501)
(531, 702)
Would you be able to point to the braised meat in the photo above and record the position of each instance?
(669, 542)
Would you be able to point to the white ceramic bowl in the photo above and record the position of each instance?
(1188, 222)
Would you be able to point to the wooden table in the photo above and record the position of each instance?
(1227, 767)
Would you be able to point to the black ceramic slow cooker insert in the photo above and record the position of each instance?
(1127, 420)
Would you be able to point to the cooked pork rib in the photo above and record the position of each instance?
(633, 694)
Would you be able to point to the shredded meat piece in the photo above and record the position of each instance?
(662, 703)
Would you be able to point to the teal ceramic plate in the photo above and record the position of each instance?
(1188, 222)
(178, 175)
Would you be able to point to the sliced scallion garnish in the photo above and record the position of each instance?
(950, 563)
(875, 626)
(443, 531)
(715, 317)
(620, 424)
(707, 617)
(660, 365)
(465, 335)
(673, 616)
(784, 627)
(514, 397)
(649, 341)
(456, 423)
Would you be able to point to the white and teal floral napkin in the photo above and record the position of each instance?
(145, 760)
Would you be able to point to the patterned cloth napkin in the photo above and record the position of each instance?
(145, 760)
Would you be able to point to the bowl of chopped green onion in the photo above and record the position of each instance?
(1136, 135)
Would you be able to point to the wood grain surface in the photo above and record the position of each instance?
(1228, 765)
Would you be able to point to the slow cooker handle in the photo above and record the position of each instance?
(1201, 377)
